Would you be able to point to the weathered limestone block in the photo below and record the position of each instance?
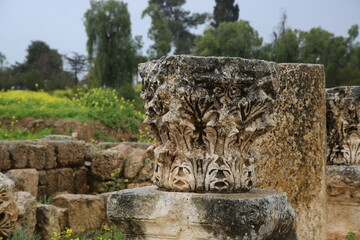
(206, 112)
(27, 154)
(134, 162)
(55, 181)
(81, 180)
(25, 180)
(70, 153)
(84, 211)
(130, 160)
(8, 208)
(148, 213)
(343, 125)
(343, 188)
(5, 162)
(106, 162)
(123, 149)
(230, 124)
(27, 211)
(50, 154)
(293, 151)
(50, 219)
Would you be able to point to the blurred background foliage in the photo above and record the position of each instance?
(104, 85)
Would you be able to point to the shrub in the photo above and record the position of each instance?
(104, 105)
(104, 233)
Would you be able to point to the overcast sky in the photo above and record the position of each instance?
(59, 23)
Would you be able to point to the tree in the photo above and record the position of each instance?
(170, 26)
(2, 60)
(111, 50)
(46, 61)
(349, 72)
(43, 66)
(78, 64)
(232, 39)
(286, 47)
(225, 11)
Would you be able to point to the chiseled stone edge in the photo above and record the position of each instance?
(258, 214)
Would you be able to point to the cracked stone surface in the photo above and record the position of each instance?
(149, 213)
(8, 208)
(230, 124)
(343, 125)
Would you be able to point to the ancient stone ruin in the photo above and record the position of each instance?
(343, 159)
(206, 112)
(69, 177)
(8, 208)
(226, 125)
(343, 123)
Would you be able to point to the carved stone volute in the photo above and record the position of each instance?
(343, 125)
(205, 113)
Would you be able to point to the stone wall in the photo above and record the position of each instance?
(72, 173)
(46, 167)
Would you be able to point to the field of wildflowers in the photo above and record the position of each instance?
(84, 105)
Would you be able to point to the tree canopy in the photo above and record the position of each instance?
(233, 39)
(78, 64)
(44, 60)
(225, 11)
(111, 49)
(170, 26)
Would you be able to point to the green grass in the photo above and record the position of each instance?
(86, 106)
(19, 134)
(23, 235)
(104, 233)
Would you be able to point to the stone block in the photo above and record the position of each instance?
(123, 149)
(8, 208)
(25, 180)
(81, 180)
(5, 162)
(50, 219)
(293, 151)
(56, 181)
(343, 184)
(37, 156)
(18, 154)
(90, 152)
(147, 171)
(343, 125)
(106, 162)
(50, 154)
(343, 189)
(141, 145)
(27, 211)
(261, 124)
(27, 155)
(148, 213)
(84, 211)
(134, 162)
(70, 153)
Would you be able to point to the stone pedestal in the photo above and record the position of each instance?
(343, 188)
(149, 213)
